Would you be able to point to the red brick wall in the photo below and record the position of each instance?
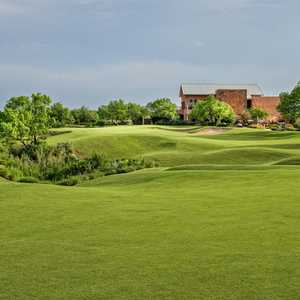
(269, 104)
(185, 100)
(237, 99)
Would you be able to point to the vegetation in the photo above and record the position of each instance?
(162, 110)
(290, 105)
(26, 119)
(213, 112)
(221, 210)
(257, 114)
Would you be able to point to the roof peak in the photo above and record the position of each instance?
(216, 83)
(211, 88)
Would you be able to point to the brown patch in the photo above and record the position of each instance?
(211, 131)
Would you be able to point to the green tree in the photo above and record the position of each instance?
(162, 110)
(289, 105)
(26, 119)
(137, 113)
(60, 115)
(212, 112)
(84, 116)
(257, 114)
(115, 111)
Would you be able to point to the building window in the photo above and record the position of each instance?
(249, 103)
(192, 102)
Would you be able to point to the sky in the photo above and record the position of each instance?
(87, 52)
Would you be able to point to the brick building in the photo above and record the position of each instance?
(239, 96)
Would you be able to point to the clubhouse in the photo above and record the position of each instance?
(239, 96)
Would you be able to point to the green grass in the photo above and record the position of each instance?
(219, 220)
(181, 145)
(153, 235)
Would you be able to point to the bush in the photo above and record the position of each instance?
(297, 123)
(290, 127)
(4, 172)
(276, 127)
(69, 181)
(257, 126)
(60, 164)
(28, 179)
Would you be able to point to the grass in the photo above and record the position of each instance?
(224, 225)
(181, 146)
(154, 235)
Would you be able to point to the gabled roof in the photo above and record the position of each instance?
(211, 88)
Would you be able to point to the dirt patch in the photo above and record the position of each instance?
(211, 131)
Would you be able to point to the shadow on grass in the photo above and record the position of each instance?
(259, 135)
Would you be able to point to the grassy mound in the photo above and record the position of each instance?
(180, 146)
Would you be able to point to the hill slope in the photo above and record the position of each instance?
(181, 146)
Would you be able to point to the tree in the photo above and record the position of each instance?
(289, 105)
(162, 110)
(26, 119)
(213, 112)
(115, 111)
(84, 116)
(137, 113)
(60, 115)
(257, 114)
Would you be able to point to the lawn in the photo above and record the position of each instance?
(225, 227)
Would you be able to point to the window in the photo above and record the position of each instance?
(192, 102)
(249, 103)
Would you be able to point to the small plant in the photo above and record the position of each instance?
(258, 114)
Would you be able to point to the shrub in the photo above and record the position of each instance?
(69, 181)
(290, 127)
(28, 179)
(257, 126)
(4, 172)
(297, 123)
(276, 127)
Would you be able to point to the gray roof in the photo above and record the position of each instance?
(212, 88)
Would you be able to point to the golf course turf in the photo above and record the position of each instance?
(219, 219)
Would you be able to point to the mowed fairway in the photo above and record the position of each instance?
(219, 220)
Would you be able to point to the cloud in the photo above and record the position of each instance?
(139, 81)
(10, 8)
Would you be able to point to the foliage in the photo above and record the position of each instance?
(245, 117)
(60, 164)
(115, 112)
(289, 105)
(84, 116)
(137, 113)
(213, 112)
(258, 114)
(162, 110)
(26, 119)
(60, 115)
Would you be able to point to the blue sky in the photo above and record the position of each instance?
(86, 52)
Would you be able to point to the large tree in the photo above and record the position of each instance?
(212, 112)
(289, 105)
(60, 115)
(115, 111)
(162, 110)
(84, 116)
(137, 113)
(26, 119)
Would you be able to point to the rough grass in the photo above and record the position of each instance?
(153, 235)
